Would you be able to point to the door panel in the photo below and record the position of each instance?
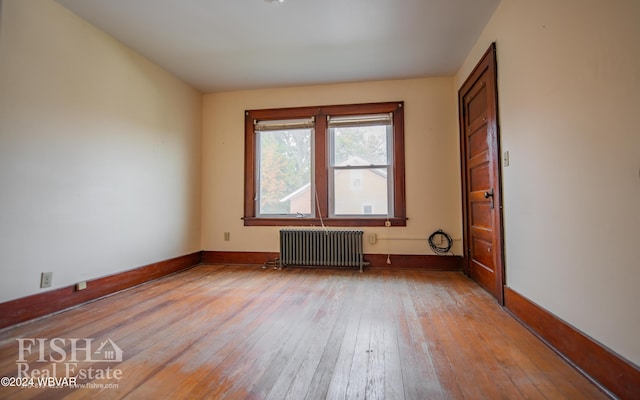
(479, 178)
(482, 252)
(476, 103)
(481, 215)
(480, 155)
(478, 145)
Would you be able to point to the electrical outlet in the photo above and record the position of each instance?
(45, 279)
(227, 236)
(373, 238)
(81, 285)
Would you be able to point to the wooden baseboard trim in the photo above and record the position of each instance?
(38, 305)
(414, 261)
(376, 261)
(237, 257)
(612, 372)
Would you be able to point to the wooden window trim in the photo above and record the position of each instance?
(321, 168)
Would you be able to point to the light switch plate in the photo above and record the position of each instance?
(45, 279)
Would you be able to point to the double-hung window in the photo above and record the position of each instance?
(284, 167)
(331, 165)
(360, 165)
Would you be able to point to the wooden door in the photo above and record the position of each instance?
(480, 153)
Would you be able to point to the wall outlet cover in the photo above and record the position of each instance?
(46, 279)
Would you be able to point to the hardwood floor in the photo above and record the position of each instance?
(249, 333)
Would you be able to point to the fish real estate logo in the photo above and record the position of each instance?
(73, 359)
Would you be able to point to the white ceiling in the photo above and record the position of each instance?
(222, 45)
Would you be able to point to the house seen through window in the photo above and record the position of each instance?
(336, 165)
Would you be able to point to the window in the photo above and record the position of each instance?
(361, 148)
(283, 167)
(332, 165)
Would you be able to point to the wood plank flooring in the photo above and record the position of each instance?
(243, 332)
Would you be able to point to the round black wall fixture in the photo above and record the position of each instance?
(445, 238)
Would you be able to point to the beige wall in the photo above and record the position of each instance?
(569, 78)
(432, 167)
(99, 153)
(100, 158)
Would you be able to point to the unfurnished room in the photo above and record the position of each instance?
(304, 199)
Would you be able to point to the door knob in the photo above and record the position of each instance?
(489, 194)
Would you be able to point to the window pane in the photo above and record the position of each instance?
(359, 140)
(361, 191)
(284, 171)
(360, 145)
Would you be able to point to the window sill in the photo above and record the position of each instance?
(346, 222)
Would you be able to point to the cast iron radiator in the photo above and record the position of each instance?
(305, 247)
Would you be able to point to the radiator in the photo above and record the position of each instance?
(304, 247)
